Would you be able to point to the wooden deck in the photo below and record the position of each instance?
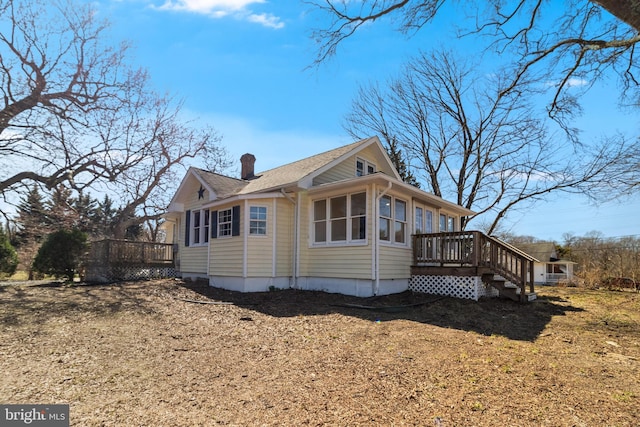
(473, 253)
(110, 251)
(115, 260)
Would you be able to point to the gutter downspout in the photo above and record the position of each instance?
(245, 241)
(376, 240)
(295, 255)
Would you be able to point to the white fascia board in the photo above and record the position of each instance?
(190, 172)
(306, 182)
(175, 207)
(388, 159)
(382, 179)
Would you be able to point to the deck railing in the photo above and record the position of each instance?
(474, 249)
(111, 251)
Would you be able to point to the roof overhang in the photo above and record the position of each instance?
(252, 196)
(176, 200)
(385, 180)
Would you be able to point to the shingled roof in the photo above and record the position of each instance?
(275, 178)
(224, 186)
(541, 251)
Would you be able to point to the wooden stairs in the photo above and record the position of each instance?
(507, 289)
(473, 253)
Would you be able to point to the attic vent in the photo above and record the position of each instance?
(248, 162)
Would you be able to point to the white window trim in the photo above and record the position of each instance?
(202, 230)
(220, 223)
(266, 221)
(424, 210)
(349, 217)
(365, 166)
(393, 220)
(447, 219)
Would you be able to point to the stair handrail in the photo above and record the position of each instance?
(520, 278)
(514, 249)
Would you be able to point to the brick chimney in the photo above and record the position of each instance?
(248, 161)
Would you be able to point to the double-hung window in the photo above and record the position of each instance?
(196, 227)
(224, 223)
(199, 230)
(393, 220)
(205, 227)
(340, 219)
(258, 220)
(363, 167)
(423, 220)
(447, 223)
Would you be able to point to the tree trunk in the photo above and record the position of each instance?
(626, 11)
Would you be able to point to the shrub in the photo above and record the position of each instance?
(8, 256)
(61, 254)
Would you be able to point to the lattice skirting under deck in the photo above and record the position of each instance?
(106, 274)
(467, 287)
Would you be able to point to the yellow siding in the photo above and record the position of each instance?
(303, 238)
(348, 261)
(373, 155)
(395, 262)
(344, 170)
(193, 259)
(260, 248)
(226, 256)
(347, 168)
(260, 260)
(395, 259)
(226, 253)
(284, 238)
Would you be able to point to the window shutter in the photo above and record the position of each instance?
(235, 221)
(187, 226)
(214, 224)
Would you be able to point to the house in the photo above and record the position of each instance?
(547, 267)
(340, 221)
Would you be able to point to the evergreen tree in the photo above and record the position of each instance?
(61, 211)
(105, 215)
(8, 255)
(32, 224)
(86, 213)
(398, 160)
(61, 254)
(32, 220)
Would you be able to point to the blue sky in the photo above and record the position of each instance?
(241, 66)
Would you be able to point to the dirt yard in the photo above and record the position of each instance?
(146, 354)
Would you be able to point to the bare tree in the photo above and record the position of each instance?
(74, 113)
(172, 142)
(577, 42)
(56, 79)
(479, 142)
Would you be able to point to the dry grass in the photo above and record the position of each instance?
(138, 354)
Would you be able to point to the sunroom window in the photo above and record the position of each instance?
(340, 219)
(447, 223)
(423, 220)
(393, 220)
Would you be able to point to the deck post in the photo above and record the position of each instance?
(475, 259)
(531, 284)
